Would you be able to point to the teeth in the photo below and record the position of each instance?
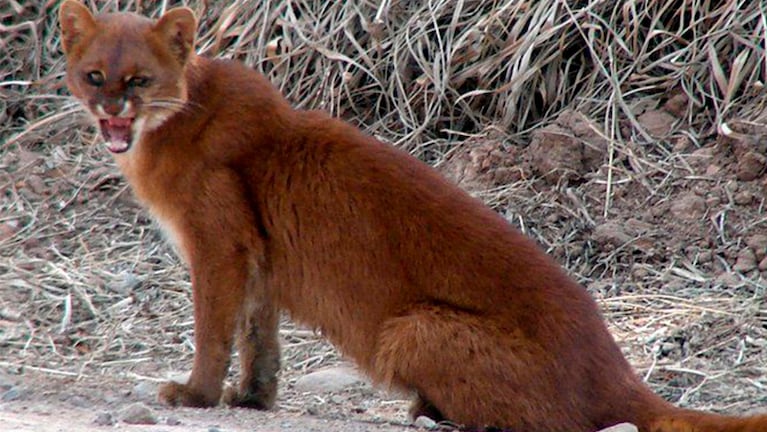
(117, 147)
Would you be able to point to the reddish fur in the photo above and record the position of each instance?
(423, 286)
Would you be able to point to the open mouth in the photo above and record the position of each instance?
(117, 133)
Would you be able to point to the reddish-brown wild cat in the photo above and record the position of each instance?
(276, 209)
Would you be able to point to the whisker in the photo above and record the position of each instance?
(175, 104)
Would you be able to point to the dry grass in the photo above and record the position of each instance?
(87, 287)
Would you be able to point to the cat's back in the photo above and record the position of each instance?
(372, 201)
(234, 88)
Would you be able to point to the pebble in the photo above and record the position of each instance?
(657, 123)
(743, 197)
(144, 390)
(172, 421)
(705, 256)
(728, 279)
(11, 394)
(713, 170)
(425, 423)
(688, 207)
(750, 166)
(713, 201)
(328, 380)
(758, 243)
(125, 283)
(138, 413)
(610, 233)
(621, 427)
(9, 314)
(104, 419)
(79, 401)
(746, 261)
(763, 264)
(6, 382)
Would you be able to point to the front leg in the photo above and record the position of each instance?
(259, 349)
(219, 276)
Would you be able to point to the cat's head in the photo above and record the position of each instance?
(127, 70)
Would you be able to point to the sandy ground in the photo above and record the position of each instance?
(40, 402)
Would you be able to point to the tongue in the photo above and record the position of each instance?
(118, 133)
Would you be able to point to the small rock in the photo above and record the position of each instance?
(610, 233)
(639, 272)
(758, 244)
(172, 421)
(705, 256)
(328, 380)
(8, 229)
(104, 419)
(9, 314)
(689, 207)
(677, 104)
(657, 123)
(750, 166)
(621, 427)
(667, 348)
(732, 186)
(138, 413)
(636, 226)
(569, 148)
(713, 201)
(713, 170)
(763, 264)
(214, 429)
(7, 381)
(36, 184)
(701, 158)
(743, 197)
(145, 390)
(124, 283)
(79, 401)
(424, 422)
(313, 409)
(179, 377)
(11, 394)
(728, 279)
(746, 261)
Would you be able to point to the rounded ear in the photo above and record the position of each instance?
(76, 21)
(177, 28)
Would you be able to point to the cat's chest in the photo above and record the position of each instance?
(170, 227)
(163, 198)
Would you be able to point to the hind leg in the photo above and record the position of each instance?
(422, 407)
(465, 367)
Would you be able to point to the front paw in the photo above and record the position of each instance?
(262, 400)
(177, 394)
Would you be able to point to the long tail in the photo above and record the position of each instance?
(679, 420)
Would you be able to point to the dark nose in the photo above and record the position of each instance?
(113, 106)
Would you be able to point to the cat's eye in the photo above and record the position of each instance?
(138, 81)
(95, 78)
